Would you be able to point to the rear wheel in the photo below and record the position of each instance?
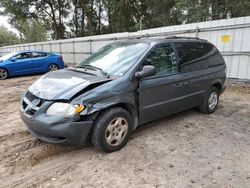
(112, 130)
(52, 67)
(210, 102)
(3, 74)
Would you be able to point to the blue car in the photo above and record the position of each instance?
(29, 62)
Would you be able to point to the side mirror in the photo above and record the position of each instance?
(13, 59)
(147, 70)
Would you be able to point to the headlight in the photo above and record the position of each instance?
(64, 109)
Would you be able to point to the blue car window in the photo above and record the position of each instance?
(25, 55)
(39, 54)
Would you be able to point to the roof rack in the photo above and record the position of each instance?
(173, 37)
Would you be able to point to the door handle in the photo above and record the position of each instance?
(178, 85)
(188, 82)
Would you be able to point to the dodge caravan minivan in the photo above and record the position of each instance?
(125, 84)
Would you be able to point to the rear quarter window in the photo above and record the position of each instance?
(39, 54)
(195, 56)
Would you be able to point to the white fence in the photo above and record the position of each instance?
(230, 36)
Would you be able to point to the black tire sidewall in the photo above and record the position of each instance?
(101, 125)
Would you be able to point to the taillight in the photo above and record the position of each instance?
(60, 57)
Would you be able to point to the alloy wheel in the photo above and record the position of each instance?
(116, 131)
(52, 67)
(212, 100)
(3, 74)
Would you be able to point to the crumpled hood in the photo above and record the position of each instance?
(63, 84)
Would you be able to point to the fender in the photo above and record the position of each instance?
(219, 84)
(10, 73)
(127, 101)
(216, 81)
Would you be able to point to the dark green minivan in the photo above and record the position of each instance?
(125, 84)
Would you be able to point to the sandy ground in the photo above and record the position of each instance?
(186, 150)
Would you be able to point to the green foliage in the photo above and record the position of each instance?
(203, 10)
(7, 37)
(76, 18)
(32, 31)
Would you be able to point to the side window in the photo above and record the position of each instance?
(193, 55)
(39, 54)
(23, 56)
(216, 59)
(163, 59)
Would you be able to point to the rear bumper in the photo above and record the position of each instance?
(71, 133)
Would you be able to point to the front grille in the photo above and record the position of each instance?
(24, 104)
(30, 96)
(31, 103)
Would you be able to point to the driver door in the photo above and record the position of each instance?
(21, 63)
(161, 94)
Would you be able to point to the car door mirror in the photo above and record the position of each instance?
(147, 70)
(13, 59)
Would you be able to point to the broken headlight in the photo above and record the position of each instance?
(64, 109)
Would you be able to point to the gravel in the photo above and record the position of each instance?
(188, 149)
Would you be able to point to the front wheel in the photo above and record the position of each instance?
(210, 102)
(52, 67)
(112, 130)
(3, 74)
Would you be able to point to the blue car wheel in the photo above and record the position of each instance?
(3, 74)
(52, 67)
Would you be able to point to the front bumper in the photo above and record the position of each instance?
(57, 130)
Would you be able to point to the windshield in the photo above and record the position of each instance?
(7, 56)
(117, 58)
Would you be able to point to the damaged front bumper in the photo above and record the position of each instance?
(52, 129)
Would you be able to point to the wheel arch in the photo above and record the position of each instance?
(125, 105)
(133, 112)
(52, 63)
(5, 68)
(217, 84)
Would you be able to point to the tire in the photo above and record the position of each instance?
(52, 67)
(211, 101)
(4, 74)
(112, 130)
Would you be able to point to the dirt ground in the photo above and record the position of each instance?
(186, 150)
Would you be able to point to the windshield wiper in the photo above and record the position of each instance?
(91, 67)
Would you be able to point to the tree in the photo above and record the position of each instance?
(76, 18)
(121, 15)
(202, 10)
(238, 8)
(7, 37)
(162, 13)
(32, 31)
(51, 12)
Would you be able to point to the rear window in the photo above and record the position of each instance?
(39, 54)
(194, 55)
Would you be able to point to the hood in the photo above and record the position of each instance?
(64, 84)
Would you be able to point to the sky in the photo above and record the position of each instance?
(4, 22)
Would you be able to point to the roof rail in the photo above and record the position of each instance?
(173, 36)
(134, 37)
